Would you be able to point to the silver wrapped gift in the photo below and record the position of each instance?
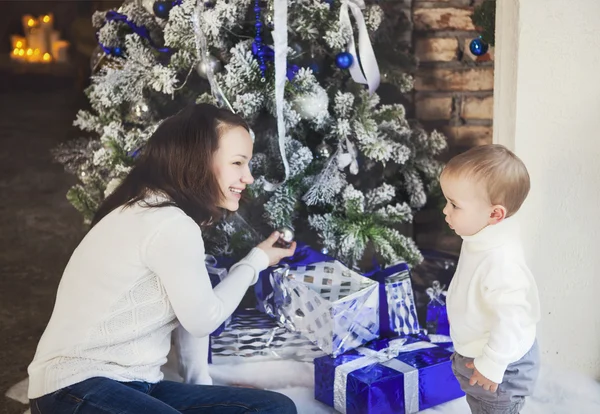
(338, 308)
(254, 335)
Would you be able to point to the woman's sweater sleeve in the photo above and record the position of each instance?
(175, 253)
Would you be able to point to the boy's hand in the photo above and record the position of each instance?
(479, 379)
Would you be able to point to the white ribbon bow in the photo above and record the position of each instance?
(385, 357)
(348, 158)
(369, 75)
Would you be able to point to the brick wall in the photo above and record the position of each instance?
(453, 93)
(453, 88)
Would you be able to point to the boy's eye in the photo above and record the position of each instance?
(453, 205)
(238, 163)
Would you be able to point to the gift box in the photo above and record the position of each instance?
(436, 321)
(252, 334)
(217, 270)
(436, 266)
(398, 376)
(338, 308)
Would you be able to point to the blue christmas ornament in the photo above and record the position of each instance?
(117, 51)
(344, 60)
(478, 47)
(291, 72)
(162, 8)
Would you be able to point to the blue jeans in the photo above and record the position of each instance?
(105, 396)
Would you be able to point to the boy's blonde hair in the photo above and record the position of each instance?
(503, 174)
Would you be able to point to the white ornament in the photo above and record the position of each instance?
(311, 105)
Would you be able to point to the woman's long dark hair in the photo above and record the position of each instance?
(177, 160)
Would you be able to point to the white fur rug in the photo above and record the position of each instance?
(558, 391)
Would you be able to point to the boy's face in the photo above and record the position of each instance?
(467, 209)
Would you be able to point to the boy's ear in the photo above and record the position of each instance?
(498, 214)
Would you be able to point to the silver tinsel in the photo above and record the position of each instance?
(206, 63)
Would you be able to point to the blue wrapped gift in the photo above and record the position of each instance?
(437, 315)
(397, 376)
(217, 269)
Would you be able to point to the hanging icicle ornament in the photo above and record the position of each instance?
(478, 46)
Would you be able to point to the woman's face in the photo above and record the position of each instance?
(230, 165)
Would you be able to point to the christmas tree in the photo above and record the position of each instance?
(331, 161)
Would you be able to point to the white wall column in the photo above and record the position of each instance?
(547, 109)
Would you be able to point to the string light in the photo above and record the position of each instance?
(30, 22)
(46, 57)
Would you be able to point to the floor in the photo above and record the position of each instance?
(38, 227)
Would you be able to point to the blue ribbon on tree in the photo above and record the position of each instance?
(113, 16)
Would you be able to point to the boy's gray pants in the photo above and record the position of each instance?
(518, 383)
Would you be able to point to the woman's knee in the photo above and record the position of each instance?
(279, 404)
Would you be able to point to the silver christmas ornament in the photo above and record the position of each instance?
(140, 112)
(208, 62)
(324, 151)
(286, 235)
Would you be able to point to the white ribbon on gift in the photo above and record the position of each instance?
(280, 47)
(211, 266)
(384, 357)
(369, 75)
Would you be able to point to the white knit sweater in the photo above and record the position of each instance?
(493, 304)
(137, 275)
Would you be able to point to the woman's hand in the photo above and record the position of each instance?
(275, 254)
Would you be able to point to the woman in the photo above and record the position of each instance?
(140, 273)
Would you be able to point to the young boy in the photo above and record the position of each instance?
(492, 301)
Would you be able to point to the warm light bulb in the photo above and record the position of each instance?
(29, 52)
(19, 44)
(47, 57)
(21, 52)
(46, 19)
(30, 22)
(16, 51)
